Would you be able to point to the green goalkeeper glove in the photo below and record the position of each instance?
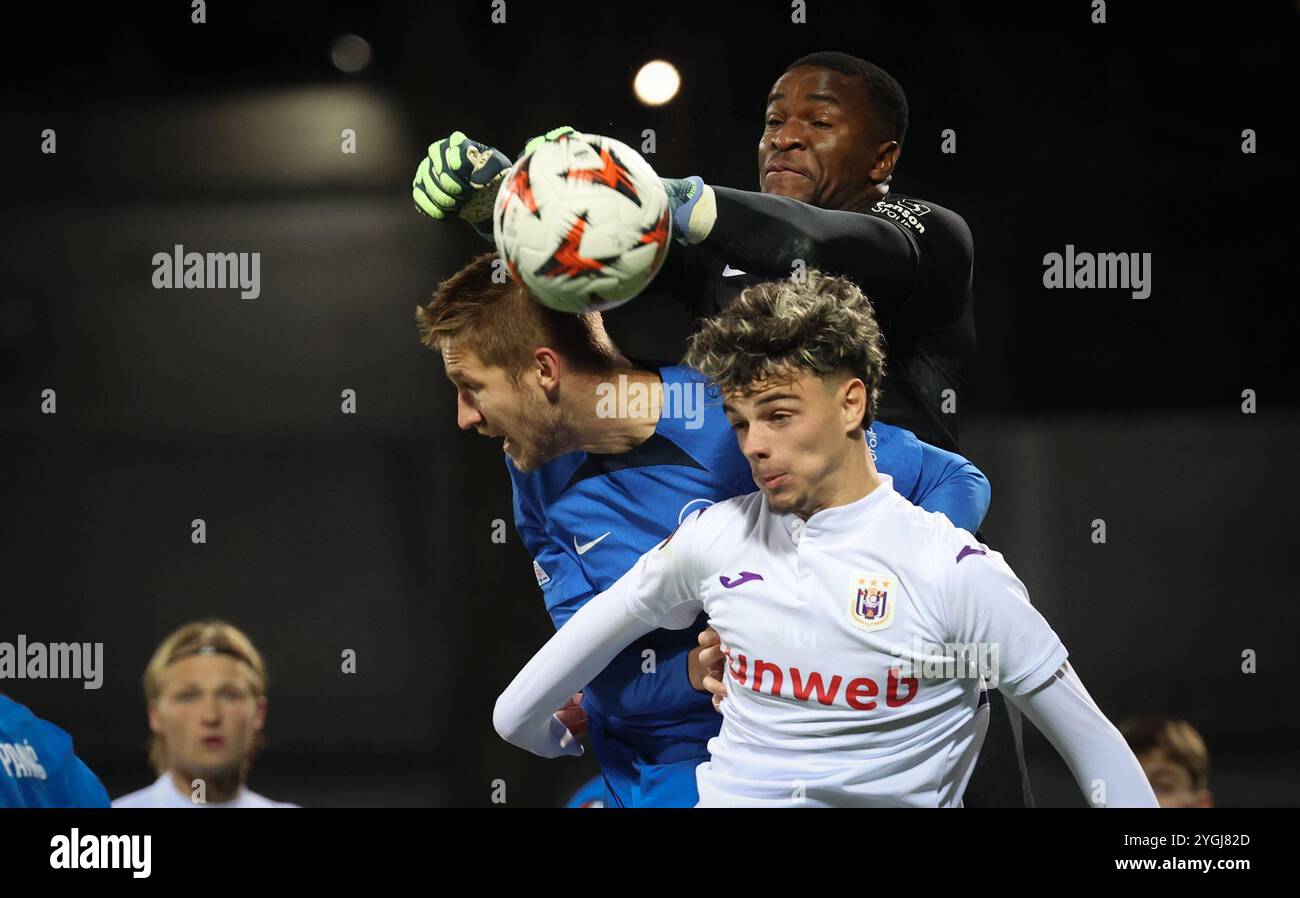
(459, 176)
(553, 134)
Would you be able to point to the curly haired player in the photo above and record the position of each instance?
(843, 609)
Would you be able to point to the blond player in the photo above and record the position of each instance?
(845, 612)
(205, 688)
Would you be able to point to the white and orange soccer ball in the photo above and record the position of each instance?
(582, 222)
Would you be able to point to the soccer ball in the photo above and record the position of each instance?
(582, 222)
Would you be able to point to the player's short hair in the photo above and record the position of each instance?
(823, 324)
(482, 309)
(885, 93)
(203, 637)
(1177, 738)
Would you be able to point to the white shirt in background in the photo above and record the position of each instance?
(164, 794)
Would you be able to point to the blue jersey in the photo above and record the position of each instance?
(38, 768)
(587, 518)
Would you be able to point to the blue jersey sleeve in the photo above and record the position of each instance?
(38, 765)
(78, 787)
(953, 486)
(930, 477)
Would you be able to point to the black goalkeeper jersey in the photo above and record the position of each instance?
(912, 258)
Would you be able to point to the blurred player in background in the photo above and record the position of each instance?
(38, 768)
(833, 131)
(1174, 757)
(833, 595)
(205, 692)
(590, 794)
(593, 491)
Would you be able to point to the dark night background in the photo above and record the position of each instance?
(372, 531)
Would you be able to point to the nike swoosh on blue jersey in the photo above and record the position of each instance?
(586, 547)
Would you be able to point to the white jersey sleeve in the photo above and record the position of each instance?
(656, 592)
(525, 713)
(986, 605)
(1103, 765)
(665, 591)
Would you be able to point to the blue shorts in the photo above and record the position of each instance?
(658, 774)
(654, 786)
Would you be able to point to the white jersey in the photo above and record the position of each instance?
(164, 794)
(857, 644)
